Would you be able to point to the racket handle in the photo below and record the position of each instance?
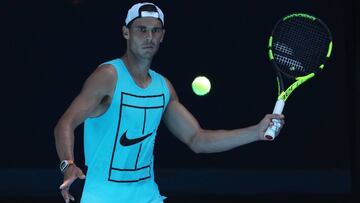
(271, 131)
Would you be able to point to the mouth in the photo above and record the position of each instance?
(148, 46)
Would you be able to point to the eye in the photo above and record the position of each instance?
(157, 30)
(142, 29)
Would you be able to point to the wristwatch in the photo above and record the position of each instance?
(64, 164)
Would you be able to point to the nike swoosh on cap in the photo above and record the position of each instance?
(125, 141)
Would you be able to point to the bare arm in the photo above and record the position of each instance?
(89, 103)
(98, 86)
(185, 127)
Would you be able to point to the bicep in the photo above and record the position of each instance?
(81, 108)
(181, 122)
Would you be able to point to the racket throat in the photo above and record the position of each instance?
(299, 80)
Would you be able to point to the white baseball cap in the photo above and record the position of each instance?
(136, 11)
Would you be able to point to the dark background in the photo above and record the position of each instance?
(48, 49)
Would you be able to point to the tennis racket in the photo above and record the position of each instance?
(299, 46)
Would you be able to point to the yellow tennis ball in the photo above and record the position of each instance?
(201, 85)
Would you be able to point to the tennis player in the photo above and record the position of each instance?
(121, 105)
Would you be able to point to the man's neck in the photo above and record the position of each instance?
(138, 69)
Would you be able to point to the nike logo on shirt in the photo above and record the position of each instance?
(125, 141)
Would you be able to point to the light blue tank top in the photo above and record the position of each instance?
(119, 144)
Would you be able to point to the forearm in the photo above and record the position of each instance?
(211, 141)
(64, 141)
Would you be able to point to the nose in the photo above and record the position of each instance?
(149, 35)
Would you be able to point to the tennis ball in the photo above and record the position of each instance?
(201, 85)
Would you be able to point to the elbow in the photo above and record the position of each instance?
(58, 128)
(61, 127)
(196, 144)
(196, 149)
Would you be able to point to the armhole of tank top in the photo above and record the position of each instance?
(166, 89)
(115, 90)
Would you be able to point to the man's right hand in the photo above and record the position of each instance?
(71, 174)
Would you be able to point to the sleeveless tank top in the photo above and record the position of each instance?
(119, 144)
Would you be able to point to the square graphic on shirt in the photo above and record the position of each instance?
(132, 155)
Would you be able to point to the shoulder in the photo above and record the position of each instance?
(103, 79)
(173, 95)
(106, 70)
(104, 73)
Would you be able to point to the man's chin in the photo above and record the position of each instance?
(148, 55)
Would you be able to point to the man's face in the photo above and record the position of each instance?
(144, 36)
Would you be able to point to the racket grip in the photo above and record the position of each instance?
(271, 131)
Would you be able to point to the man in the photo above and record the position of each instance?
(121, 105)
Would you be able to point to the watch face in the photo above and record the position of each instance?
(63, 165)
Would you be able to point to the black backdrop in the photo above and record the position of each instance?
(49, 49)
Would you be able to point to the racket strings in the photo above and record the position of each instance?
(316, 38)
(300, 46)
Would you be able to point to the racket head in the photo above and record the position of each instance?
(300, 44)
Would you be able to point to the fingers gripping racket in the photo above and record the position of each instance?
(299, 46)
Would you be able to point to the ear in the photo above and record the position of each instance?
(162, 37)
(125, 32)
